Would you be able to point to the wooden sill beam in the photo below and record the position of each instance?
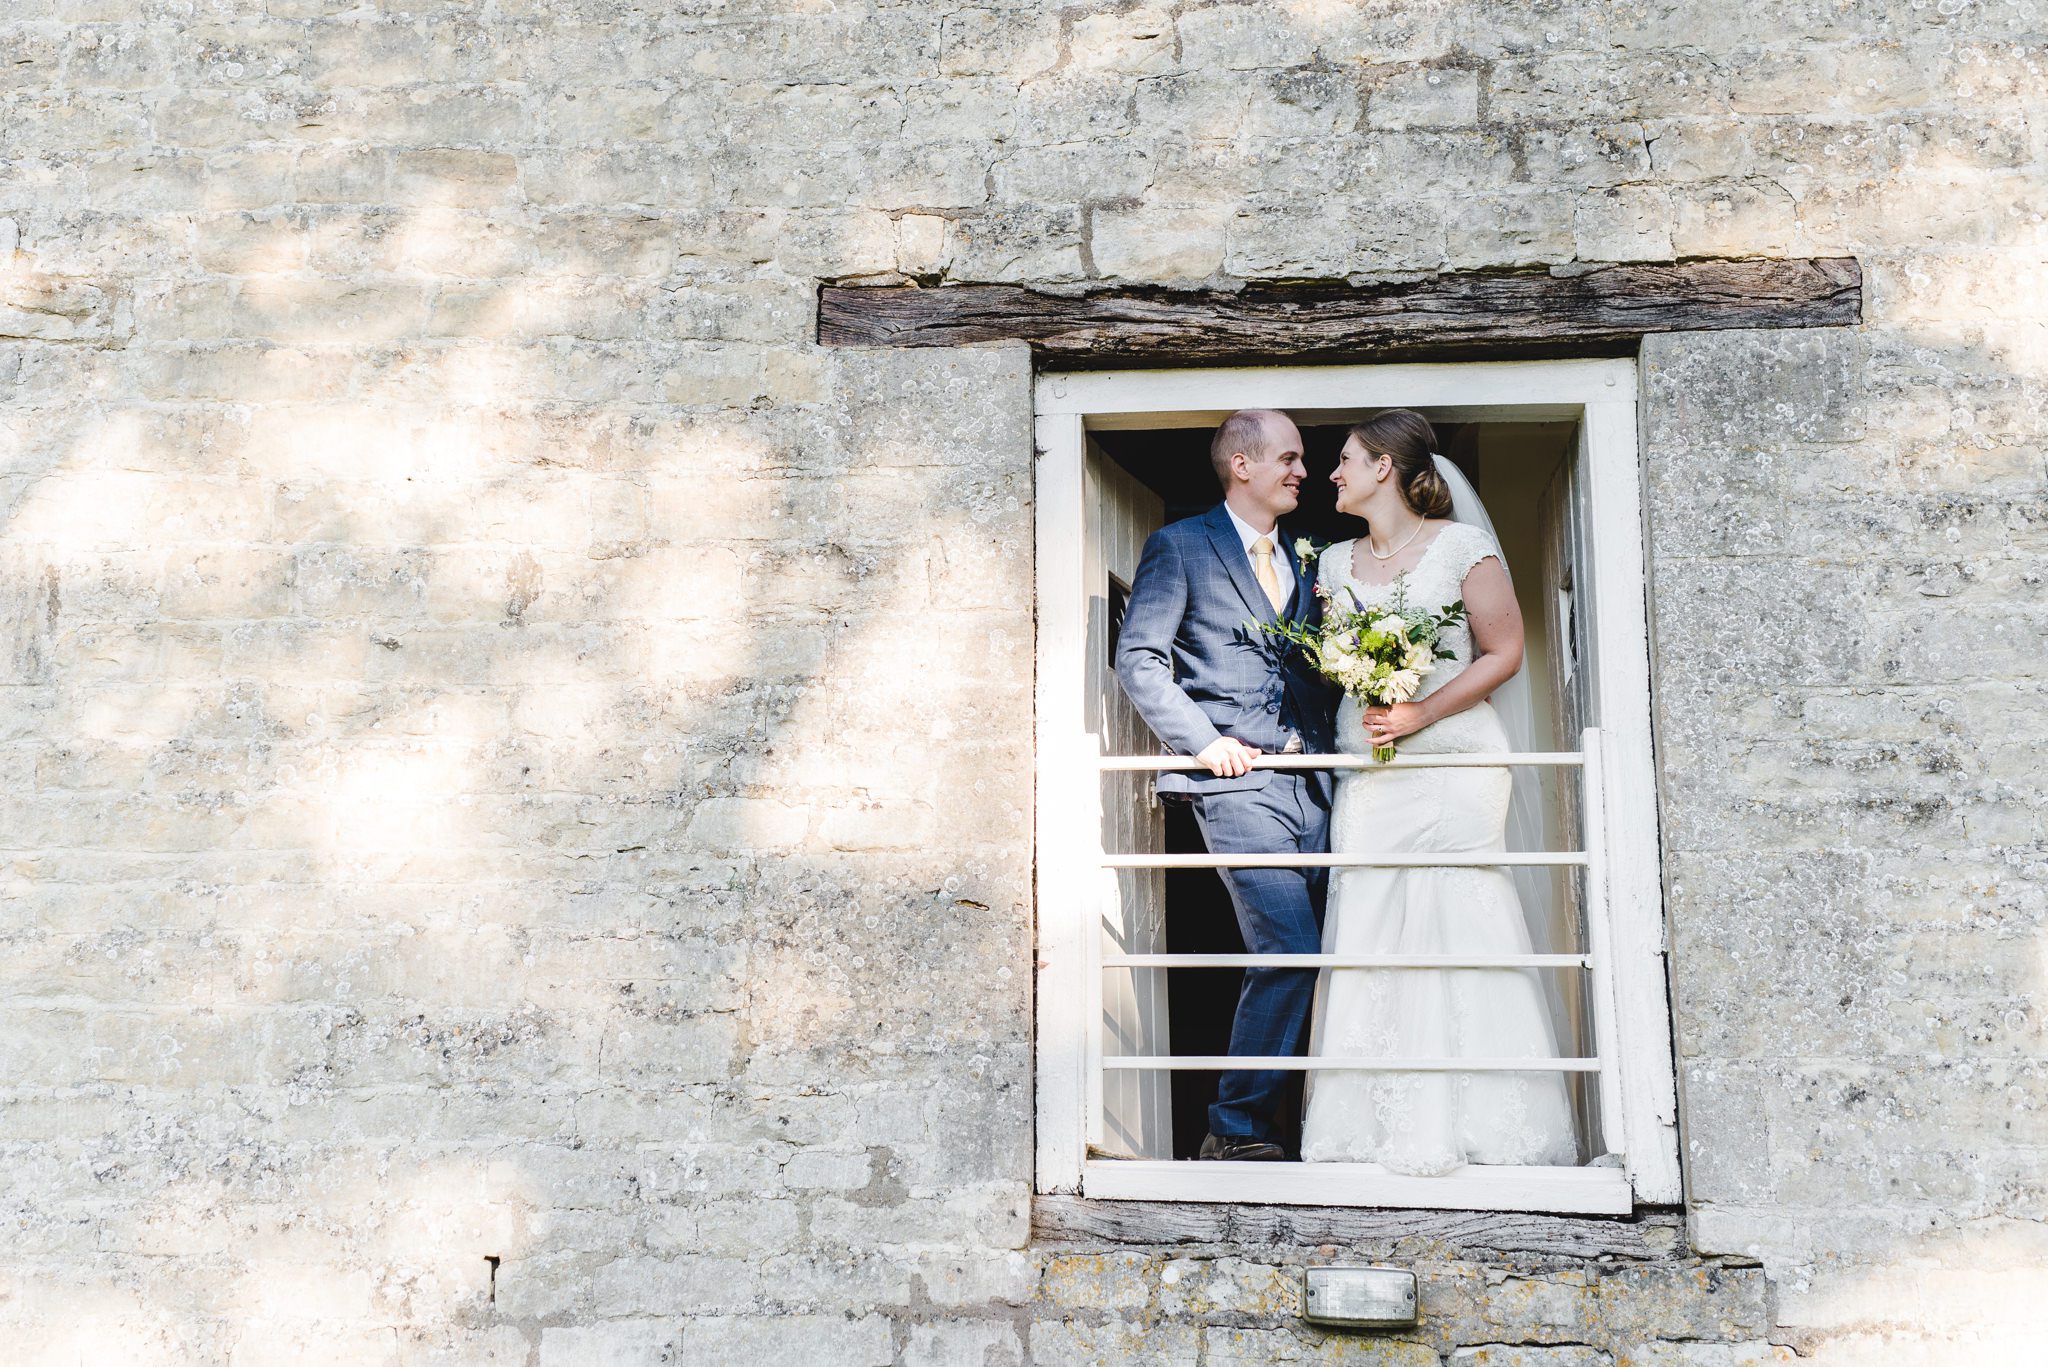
(1476, 313)
(1650, 1235)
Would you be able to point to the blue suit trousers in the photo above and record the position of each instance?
(1279, 911)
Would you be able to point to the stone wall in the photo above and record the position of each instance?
(512, 753)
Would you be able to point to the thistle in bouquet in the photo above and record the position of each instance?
(1379, 655)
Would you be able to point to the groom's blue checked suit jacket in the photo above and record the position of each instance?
(1196, 665)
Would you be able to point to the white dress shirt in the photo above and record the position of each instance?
(1283, 570)
(1283, 563)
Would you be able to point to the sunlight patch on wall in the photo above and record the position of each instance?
(1956, 1301)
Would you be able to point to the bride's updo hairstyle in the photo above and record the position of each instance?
(1407, 436)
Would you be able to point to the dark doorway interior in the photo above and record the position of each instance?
(1199, 1001)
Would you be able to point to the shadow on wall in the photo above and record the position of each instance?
(477, 790)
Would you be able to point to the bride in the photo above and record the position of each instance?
(1428, 1123)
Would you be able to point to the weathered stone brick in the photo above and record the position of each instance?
(672, 1285)
(1512, 230)
(501, 1345)
(1228, 1345)
(1114, 169)
(1114, 1281)
(1014, 244)
(984, 1279)
(1159, 243)
(1191, 1288)
(603, 1344)
(1000, 41)
(250, 180)
(1244, 36)
(1756, 1354)
(1424, 97)
(840, 1342)
(1177, 1344)
(1516, 1355)
(1770, 389)
(921, 244)
(969, 1344)
(1627, 223)
(814, 1169)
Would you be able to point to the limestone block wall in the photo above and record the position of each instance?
(515, 764)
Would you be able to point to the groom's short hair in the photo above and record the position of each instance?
(1253, 431)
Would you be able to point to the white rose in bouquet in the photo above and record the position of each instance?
(1377, 656)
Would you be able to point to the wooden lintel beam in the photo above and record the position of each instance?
(1460, 313)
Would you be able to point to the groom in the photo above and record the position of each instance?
(1211, 684)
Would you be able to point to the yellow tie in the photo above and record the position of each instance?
(1262, 570)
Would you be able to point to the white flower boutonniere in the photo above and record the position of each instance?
(1305, 550)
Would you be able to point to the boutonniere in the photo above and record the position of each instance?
(1306, 550)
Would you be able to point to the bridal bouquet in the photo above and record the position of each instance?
(1378, 655)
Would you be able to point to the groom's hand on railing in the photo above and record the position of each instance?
(1228, 757)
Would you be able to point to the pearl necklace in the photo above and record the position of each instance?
(1398, 549)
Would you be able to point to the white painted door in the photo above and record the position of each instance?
(1137, 1108)
(1565, 560)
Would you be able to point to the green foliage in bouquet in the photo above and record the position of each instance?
(1379, 655)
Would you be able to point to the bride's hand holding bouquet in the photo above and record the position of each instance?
(1379, 655)
(1386, 723)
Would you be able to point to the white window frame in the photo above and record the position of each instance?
(1625, 902)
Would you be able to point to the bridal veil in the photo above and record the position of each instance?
(1525, 828)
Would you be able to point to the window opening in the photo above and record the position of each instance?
(1139, 949)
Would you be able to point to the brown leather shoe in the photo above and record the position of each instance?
(1241, 1148)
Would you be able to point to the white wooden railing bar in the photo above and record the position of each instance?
(1337, 861)
(1345, 961)
(1512, 759)
(1307, 1064)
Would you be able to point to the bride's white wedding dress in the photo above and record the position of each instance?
(1429, 1123)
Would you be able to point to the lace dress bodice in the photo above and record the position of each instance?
(1435, 582)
